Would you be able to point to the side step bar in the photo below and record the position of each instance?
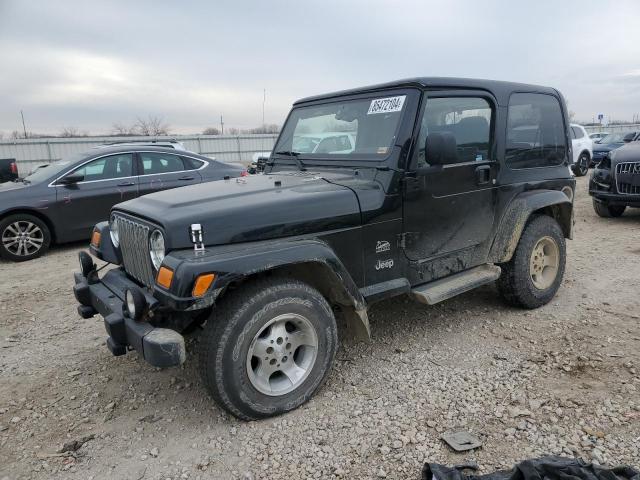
(445, 288)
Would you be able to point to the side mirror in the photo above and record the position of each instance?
(441, 149)
(71, 179)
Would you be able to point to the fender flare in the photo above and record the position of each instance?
(312, 259)
(551, 202)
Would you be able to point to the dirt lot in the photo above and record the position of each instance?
(563, 379)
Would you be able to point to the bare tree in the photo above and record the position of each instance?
(68, 132)
(211, 131)
(271, 128)
(234, 131)
(152, 125)
(123, 129)
(16, 135)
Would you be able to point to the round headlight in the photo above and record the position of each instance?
(156, 248)
(113, 231)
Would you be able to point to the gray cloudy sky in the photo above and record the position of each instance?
(89, 64)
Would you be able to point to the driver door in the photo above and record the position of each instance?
(449, 209)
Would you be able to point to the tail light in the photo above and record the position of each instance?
(244, 173)
(13, 167)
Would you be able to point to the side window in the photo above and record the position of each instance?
(577, 132)
(154, 163)
(191, 163)
(573, 132)
(467, 119)
(106, 168)
(535, 131)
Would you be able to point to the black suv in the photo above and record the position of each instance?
(615, 182)
(435, 193)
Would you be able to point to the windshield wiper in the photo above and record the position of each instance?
(294, 155)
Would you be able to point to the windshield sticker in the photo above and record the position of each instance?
(386, 105)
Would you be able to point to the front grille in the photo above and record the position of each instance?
(628, 178)
(134, 246)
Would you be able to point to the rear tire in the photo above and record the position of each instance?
(257, 355)
(581, 167)
(23, 237)
(608, 211)
(533, 275)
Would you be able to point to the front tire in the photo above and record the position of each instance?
(533, 275)
(581, 167)
(267, 347)
(23, 237)
(608, 211)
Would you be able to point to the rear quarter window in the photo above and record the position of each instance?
(191, 163)
(535, 131)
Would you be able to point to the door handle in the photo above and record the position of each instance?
(483, 174)
(126, 184)
(185, 178)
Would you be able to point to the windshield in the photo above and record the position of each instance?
(45, 172)
(613, 138)
(357, 129)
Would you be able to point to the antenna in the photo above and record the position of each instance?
(24, 128)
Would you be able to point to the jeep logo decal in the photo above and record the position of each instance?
(382, 264)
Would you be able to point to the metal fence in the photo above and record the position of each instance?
(614, 128)
(31, 153)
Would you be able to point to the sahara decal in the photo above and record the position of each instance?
(382, 246)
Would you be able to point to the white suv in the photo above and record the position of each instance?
(582, 147)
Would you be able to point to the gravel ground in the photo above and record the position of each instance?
(562, 379)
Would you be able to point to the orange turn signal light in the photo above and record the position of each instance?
(203, 282)
(165, 276)
(95, 238)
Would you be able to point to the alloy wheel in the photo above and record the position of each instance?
(544, 262)
(583, 164)
(22, 238)
(282, 354)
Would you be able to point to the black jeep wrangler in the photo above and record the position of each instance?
(428, 187)
(615, 182)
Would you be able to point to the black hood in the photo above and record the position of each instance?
(628, 153)
(244, 209)
(12, 186)
(607, 147)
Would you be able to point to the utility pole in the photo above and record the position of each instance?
(264, 100)
(221, 126)
(24, 128)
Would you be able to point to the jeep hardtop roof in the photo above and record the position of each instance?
(499, 89)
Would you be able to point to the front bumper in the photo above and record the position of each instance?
(602, 188)
(616, 199)
(161, 347)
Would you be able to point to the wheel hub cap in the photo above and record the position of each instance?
(543, 265)
(282, 354)
(22, 238)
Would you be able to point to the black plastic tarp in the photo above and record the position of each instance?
(545, 468)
